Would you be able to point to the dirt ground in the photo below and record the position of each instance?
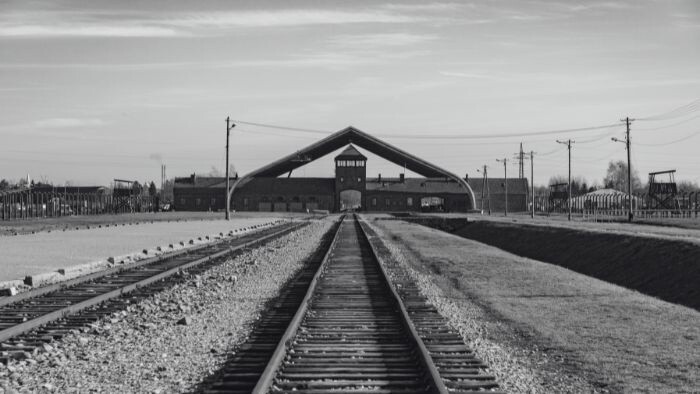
(552, 318)
(12, 227)
(31, 254)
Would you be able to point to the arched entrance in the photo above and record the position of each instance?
(350, 200)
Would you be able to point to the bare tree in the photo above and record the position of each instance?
(616, 177)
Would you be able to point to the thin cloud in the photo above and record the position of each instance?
(428, 7)
(380, 40)
(609, 5)
(469, 75)
(102, 24)
(87, 31)
(62, 123)
(287, 18)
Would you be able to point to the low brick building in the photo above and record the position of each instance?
(266, 190)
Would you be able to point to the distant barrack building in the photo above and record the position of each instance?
(265, 190)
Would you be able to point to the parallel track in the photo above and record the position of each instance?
(352, 333)
(36, 317)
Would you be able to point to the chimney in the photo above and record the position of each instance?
(401, 177)
(379, 178)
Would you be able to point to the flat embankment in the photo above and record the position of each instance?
(549, 321)
(663, 266)
(31, 254)
(12, 227)
(145, 350)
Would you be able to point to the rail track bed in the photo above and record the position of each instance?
(351, 333)
(29, 320)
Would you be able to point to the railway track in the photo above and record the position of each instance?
(30, 319)
(350, 331)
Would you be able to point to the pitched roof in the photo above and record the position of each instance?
(351, 153)
(352, 135)
(444, 185)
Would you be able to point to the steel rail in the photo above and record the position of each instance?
(425, 357)
(39, 291)
(268, 375)
(72, 309)
(266, 379)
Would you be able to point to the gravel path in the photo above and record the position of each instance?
(173, 340)
(517, 370)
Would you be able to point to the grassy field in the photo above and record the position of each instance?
(71, 222)
(617, 339)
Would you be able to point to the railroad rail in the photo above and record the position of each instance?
(33, 318)
(352, 332)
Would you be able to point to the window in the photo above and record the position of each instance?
(198, 201)
(213, 202)
(245, 203)
(361, 163)
(183, 201)
(409, 201)
(387, 202)
(374, 202)
(342, 179)
(359, 180)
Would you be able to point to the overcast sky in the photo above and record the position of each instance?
(96, 90)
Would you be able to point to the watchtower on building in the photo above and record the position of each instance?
(350, 178)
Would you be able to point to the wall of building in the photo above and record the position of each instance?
(397, 201)
(516, 202)
(285, 194)
(199, 198)
(300, 194)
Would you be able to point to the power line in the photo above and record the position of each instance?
(439, 136)
(671, 125)
(687, 137)
(676, 113)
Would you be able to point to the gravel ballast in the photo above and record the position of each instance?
(517, 370)
(172, 341)
(555, 329)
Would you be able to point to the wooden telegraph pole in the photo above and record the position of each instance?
(229, 126)
(568, 145)
(627, 142)
(505, 181)
(532, 183)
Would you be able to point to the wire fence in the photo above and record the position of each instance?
(602, 206)
(26, 204)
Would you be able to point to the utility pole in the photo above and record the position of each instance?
(521, 163)
(628, 145)
(532, 183)
(229, 126)
(568, 145)
(505, 181)
(485, 189)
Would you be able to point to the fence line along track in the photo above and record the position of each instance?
(352, 333)
(39, 316)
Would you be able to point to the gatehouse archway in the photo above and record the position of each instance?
(350, 200)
